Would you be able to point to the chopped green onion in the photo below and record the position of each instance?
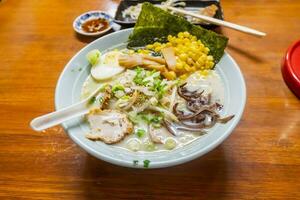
(139, 77)
(146, 117)
(159, 88)
(92, 100)
(156, 119)
(125, 97)
(140, 132)
(170, 143)
(118, 87)
(135, 162)
(93, 56)
(146, 163)
(134, 117)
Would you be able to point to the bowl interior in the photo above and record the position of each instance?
(68, 92)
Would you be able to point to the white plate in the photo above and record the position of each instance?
(68, 92)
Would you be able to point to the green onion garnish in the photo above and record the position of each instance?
(146, 163)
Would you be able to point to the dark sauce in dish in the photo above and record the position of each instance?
(95, 25)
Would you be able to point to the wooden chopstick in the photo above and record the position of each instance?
(219, 22)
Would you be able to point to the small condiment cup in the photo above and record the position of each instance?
(90, 15)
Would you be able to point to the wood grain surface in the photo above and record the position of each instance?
(260, 160)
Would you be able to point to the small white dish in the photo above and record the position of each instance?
(90, 15)
(68, 91)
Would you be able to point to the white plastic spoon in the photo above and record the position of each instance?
(115, 26)
(52, 119)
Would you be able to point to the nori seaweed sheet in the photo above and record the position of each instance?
(155, 24)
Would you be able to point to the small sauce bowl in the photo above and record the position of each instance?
(93, 23)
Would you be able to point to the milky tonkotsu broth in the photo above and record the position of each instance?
(210, 83)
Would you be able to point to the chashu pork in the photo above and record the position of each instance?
(109, 126)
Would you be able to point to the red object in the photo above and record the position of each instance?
(291, 68)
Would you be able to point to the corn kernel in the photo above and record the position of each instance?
(186, 34)
(186, 41)
(179, 65)
(149, 46)
(143, 51)
(194, 43)
(198, 65)
(172, 39)
(156, 44)
(183, 77)
(190, 61)
(168, 44)
(189, 53)
(203, 57)
(193, 69)
(170, 75)
(200, 44)
(210, 58)
(193, 38)
(194, 56)
(204, 72)
(206, 50)
(157, 49)
(180, 35)
(183, 56)
(185, 49)
(179, 46)
(209, 64)
(187, 67)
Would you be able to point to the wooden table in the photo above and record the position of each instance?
(260, 160)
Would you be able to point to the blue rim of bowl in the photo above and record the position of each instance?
(168, 163)
(92, 15)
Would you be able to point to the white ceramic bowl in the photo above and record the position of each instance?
(68, 92)
(96, 14)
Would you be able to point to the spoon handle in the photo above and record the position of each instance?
(115, 26)
(52, 119)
